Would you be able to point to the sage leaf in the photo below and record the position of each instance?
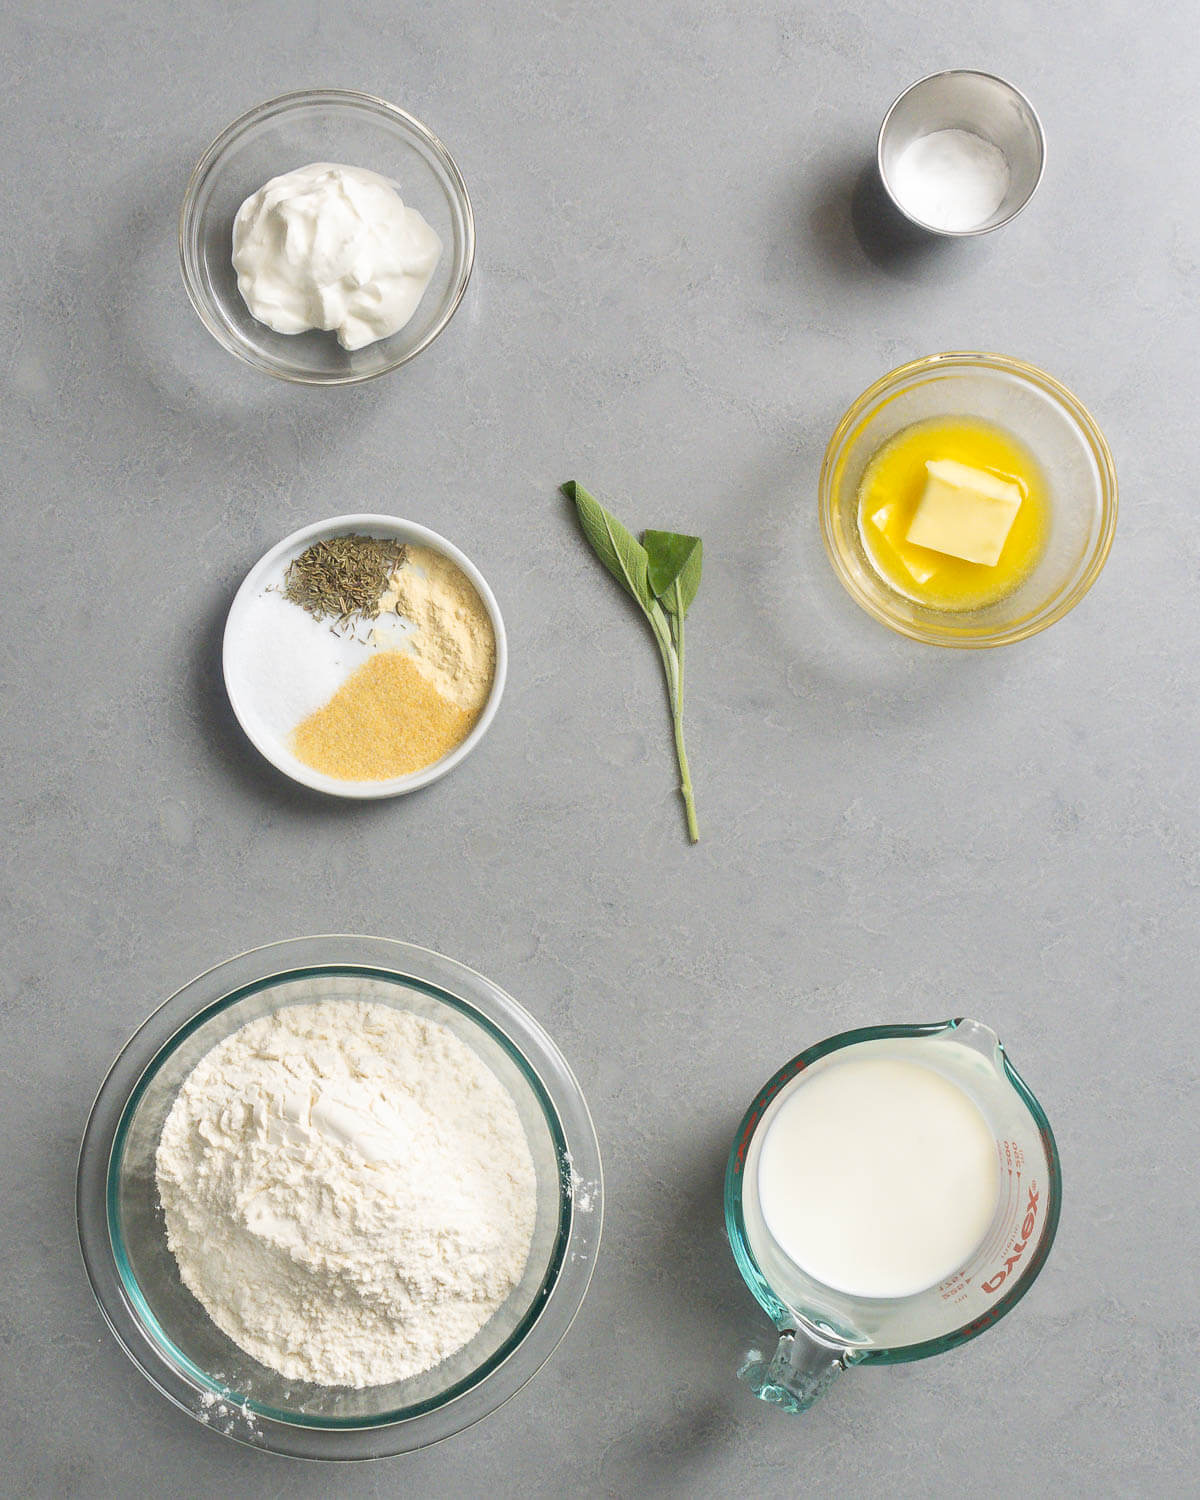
(662, 573)
(616, 547)
(673, 558)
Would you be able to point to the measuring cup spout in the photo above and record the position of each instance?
(981, 1039)
(803, 1368)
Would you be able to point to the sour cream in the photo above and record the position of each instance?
(334, 248)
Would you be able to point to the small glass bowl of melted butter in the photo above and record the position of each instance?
(968, 500)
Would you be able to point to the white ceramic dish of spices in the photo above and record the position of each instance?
(961, 153)
(334, 701)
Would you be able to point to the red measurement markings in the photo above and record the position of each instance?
(955, 1288)
(759, 1108)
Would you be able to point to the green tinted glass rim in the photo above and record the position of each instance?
(138, 1300)
(735, 1223)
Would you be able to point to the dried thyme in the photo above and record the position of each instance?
(343, 577)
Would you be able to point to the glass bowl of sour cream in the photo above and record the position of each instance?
(283, 136)
(182, 1345)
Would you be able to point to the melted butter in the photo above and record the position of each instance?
(892, 486)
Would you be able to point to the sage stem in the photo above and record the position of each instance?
(685, 776)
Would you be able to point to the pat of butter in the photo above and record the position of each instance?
(918, 571)
(964, 512)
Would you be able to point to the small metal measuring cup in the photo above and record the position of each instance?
(982, 104)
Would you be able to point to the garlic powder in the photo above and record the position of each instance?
(453, 644)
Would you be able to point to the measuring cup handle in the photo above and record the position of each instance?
(803, 1368)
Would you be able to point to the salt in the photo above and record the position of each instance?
(284, 664)
(952, 180)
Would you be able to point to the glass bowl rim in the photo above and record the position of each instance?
(280, 104)
(564, 1283)
(735, 1223)
(1068, 402)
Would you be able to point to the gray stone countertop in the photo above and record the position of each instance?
(679, 288)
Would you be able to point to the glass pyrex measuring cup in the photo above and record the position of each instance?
(822, 1330)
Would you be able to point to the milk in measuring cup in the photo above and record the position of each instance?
(879, 1178)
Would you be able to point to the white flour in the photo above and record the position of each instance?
(348, 1191)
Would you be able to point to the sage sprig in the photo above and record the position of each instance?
(662, 574)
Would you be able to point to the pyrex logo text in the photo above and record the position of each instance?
(995, 1282)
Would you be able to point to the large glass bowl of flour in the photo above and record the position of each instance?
(166, 1330)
